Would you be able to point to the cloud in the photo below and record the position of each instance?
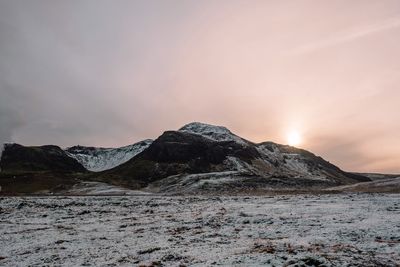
(11, 118)
(110, 73)
(349, 36)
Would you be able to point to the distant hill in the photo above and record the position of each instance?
(378, 176)
(37, 169)
(20, 158)
(386, 185)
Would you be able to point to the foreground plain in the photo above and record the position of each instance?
(151, 230)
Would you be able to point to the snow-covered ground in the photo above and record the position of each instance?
(150, 230)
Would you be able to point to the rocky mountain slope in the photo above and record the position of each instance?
(99, 159)
(201, 157)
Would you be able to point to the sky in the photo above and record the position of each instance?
(110, 73)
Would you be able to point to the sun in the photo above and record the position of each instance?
(293, 138)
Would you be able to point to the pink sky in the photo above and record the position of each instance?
(114, 72)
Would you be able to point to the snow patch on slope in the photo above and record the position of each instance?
(100, 159)
(190, 183)
(98, 188)
(215, 133)
(235, 164)
(292, 164)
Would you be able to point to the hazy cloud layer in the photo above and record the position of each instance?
(351, 35)
(114, 72)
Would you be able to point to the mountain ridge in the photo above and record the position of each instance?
(197, 149)
(196, 158)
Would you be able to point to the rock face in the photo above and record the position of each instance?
(37, 158)
(201, 157)
(99, 159)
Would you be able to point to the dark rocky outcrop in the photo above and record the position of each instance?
(20, 158)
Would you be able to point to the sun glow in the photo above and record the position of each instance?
(293, 138)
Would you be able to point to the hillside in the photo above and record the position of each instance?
(18, 158)
(386, 185)
(37, 169)
(207, 158)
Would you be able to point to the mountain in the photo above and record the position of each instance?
(18, 158)
(201, 157)
(176, 152)
(99, 159)
(197, 158)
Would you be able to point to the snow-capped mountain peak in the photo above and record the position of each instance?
(213, 132)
